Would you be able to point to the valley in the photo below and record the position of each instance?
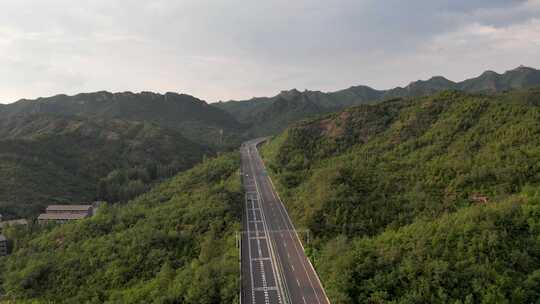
(376, 193)
(270, 152)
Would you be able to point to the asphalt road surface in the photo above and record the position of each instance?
(275, 269)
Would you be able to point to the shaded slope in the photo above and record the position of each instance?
(49, 158)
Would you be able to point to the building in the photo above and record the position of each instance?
(65, 213)
(59, 217)
(3, 245)
(86, 210)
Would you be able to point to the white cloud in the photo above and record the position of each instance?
(237, 49)
(474, 39)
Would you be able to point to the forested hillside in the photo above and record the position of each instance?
(395, 187)
(174, 244)
(268, 115)
(48, 159)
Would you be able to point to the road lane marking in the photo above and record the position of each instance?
(250, 266)
(258, 237)
(269, 288)
(261, 259)
(265, 229)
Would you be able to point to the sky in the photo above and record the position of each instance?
(238, 49)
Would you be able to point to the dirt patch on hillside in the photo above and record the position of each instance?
(334, 127)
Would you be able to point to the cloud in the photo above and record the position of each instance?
(237, 49)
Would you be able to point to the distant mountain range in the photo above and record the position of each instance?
(268, 115)
(227, 123)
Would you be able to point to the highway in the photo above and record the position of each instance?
(274, 267)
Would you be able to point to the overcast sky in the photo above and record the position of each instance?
(237, 49)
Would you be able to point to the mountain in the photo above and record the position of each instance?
(194, 118)
(174, 244)
(268, 115)
(49, 158)
(421, 88)
(419, 200)
(490, 81)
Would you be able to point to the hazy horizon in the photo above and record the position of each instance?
(268, 95)
(234, 50)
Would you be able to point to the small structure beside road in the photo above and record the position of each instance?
(3, 240)
(3, 245)
(19, 222)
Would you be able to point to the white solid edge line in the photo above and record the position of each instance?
(281, 211)
(309, 261)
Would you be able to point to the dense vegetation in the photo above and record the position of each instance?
(51, 158)
(481, 254)
(268, 115)
(381, 185)
(174, 244)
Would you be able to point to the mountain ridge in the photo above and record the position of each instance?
(488, 82)
(193, 117)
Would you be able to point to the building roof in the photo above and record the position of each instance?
(2, 238)
(61, 216)
(69, 207)
(13, 223)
